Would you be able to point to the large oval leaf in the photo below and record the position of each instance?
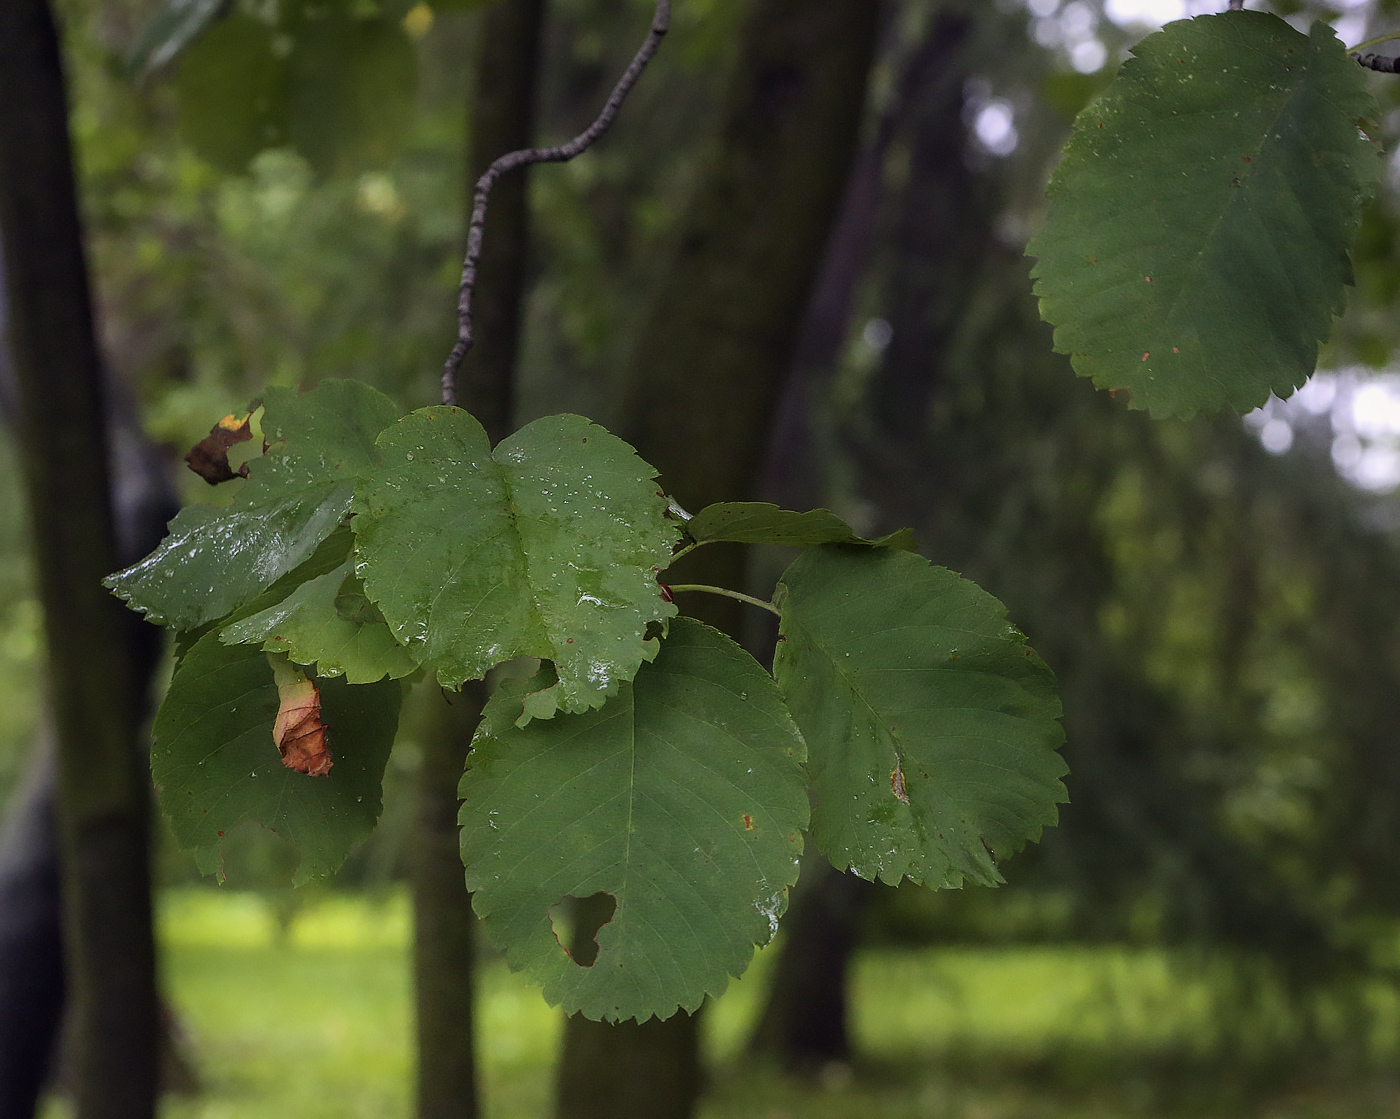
(217, 559)
(547, 548)
(931, 728)
(1196, 245)
(683, 798)
(216, 765)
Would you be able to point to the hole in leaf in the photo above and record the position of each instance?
(576, 922)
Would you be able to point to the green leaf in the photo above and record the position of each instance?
(232, 93)
(171, 30)
(931, 728)
(547, 548)
(755, 522)
(328, 622)
(351, 85)
(1196, 245)
(683, 799)
(217, 559)
(216, 765)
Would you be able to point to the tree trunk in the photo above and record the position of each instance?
(704, 377)
(103, 804)
(804, 1024)
(503, 113)
(445, 927)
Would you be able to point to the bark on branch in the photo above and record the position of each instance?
(660, 24)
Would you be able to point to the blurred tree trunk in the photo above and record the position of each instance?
(502, 120)
(704, 378)
(804, 1023)
(103, 803)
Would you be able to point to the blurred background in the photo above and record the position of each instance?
(1213, 929)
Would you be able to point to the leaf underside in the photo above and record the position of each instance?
(1195, 249)
(683, 798)
(217, 559)
(931, 727)
(547, 548)
(216, 765)
(757, 522)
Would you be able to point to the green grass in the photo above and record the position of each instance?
(314, 1023)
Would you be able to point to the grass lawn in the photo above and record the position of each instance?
(316, 1024)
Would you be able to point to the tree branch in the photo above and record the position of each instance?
(660, 24)
(1379, 62)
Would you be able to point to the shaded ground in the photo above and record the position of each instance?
(316, 1025)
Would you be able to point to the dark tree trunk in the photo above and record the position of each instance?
(445, 927)
(103, 804)
(705, 375)
(805, 1023)
(502, 120)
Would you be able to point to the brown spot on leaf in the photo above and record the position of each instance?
(897, 783)
(209, 457)
(1176, 350)
(1146, 356)
(748, 822)
(299, 733)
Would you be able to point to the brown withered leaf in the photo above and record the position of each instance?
(209, 457)
(298, 731)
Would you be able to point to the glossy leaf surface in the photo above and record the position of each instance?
(547, 548)
(755, 522)
(1195, 249)
(329, 623)
(216, 765)
(217, 559)
(683, 798)
(931, 727)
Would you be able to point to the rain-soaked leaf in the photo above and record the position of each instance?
(329, 622)
(1195, 249)
(756, 522)
(548, 547)
(216, 763)
(683, 800)
(932, 729)
(217, 559)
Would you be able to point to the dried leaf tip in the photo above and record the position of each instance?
(209, 457)
(298, 732)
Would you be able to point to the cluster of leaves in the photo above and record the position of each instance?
(1196, 247)
(650, 758)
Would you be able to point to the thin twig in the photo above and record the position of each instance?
(660, 24)
(727, 594)
(1236, 5)
(1379, 62)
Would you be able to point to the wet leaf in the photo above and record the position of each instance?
(1195, 250)
(754, 522)
(547, 548)
(683, 800)
(216, 765)
(328, 622)
(931, 727)
(217, 559)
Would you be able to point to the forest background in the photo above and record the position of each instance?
(1214, 924)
